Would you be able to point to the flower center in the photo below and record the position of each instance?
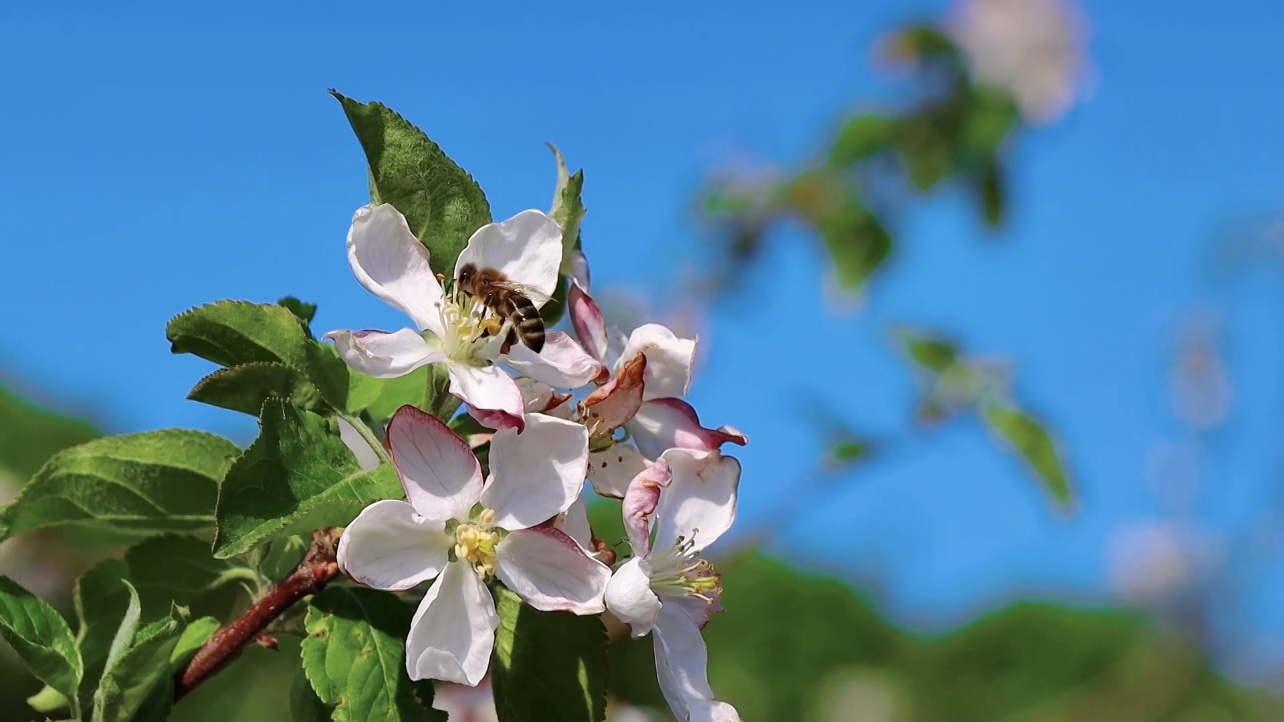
(474, 332)
(679, 571)
(475, 543)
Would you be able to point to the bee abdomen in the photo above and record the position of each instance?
(527, 324)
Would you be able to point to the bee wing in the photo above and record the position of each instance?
(534, 294)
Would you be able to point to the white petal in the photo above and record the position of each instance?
(639, 505)
(574, 521)
(588, 321)
(391, 546)
(526, 248)
(670, 423)
(453, 630)
(438, 471)
(562, 362)
(487, 389)
(549, 571)
(384, 355)
(367, 459)
(681, 666)
(539, 397)
(629, 596)
(668, 359)
(700, 502)
(576, 266)
(535, 475)
(392, 264)
(610, 471)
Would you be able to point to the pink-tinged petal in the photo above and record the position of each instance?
(562, 362)
(539, 398)
(367, 459)
(614, 403)
(639, 505)
(610, 471)
(526, 248)
(453, 629)
(673, 424)
(630, 599)
(496, 419)
(438, 470)
(668, 359)
(384, 355)
(700, 502)
(588, 321)
(549, 571)
(488, 389)
(574, 521)
(462, 703)
(535, 475)
(576, 266)
(392, 264)
(695, 607)
(391, 546)
(681, 666)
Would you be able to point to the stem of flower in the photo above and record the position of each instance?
(369, 436)
(317, 569)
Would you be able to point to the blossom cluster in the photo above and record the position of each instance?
(597, 408)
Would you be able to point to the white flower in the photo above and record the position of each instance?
(649, 371)
(1033, 48)
(463, 532)
(452, 329)
(688, 499)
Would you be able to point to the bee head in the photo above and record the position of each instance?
(466, 275)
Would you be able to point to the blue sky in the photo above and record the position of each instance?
(157, 156)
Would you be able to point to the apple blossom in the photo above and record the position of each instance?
(454, 328)
(464, 532)
(687, 499)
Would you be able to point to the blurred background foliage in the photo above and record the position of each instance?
(802, 645)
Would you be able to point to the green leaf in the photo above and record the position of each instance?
(32, 435)
(990, 189)
(568, 207)
(556, 306)
(933, 354)
(194, 636)
(380, 398)
(442, 204)
(857, 242)
(304, 311)
(1028, 437)
(139, 659)
(41, 638)
(243, 388)
(101, 600)
(355, 658)
(861, 137)
(547, 665)
(48, 700)
(151, 482)
(297, 476)
(176, 569)
(232, 333)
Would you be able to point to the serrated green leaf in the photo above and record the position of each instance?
(442, 204)
(152, 482)
(547, 665)
(1029, 439)
(175, 569)
(101, 600)
(194, 636)
(232, 333)
(41, 639)
(297, 476)
(356, 661)
(302, 310)
(857, 243)
(861, 137)
(568, 206)
(305, 705)
(138, 661)
(380, 398)
(933, 354)
(33, 434)
(243, 388)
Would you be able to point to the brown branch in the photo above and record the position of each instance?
(317, 569)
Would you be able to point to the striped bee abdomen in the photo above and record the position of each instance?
(527, 324)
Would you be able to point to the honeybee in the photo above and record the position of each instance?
(508, 300)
